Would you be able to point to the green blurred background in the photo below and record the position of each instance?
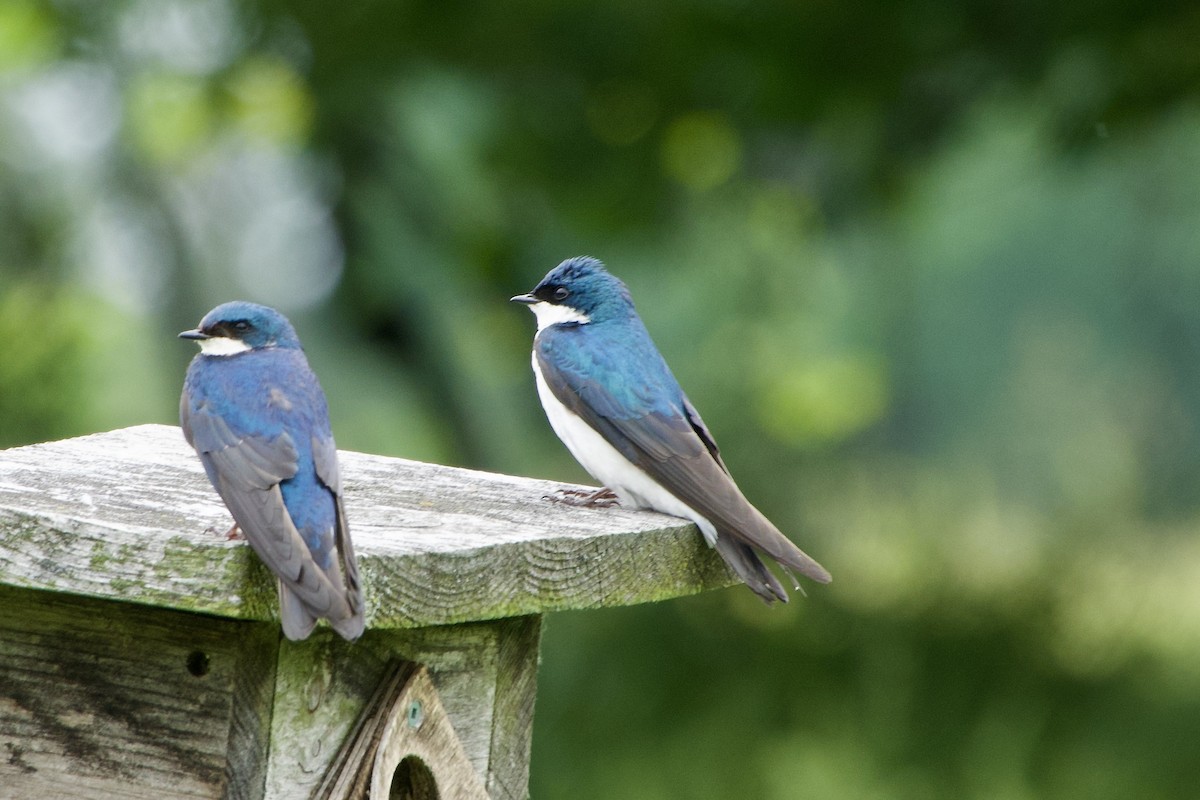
(929, 269)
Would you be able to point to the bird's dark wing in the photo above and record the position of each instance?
(328, 472)
(246, 472)
(693, 418)
(670, 442)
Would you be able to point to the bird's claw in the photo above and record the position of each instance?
(231, 535)
(601, 498)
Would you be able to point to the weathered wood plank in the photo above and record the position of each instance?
(129, 515)
(252, 702)
(516, 691)
(324, 683)
(111, 700)
(132, 699)
(419, 756)
(404, 721)
(101, 699)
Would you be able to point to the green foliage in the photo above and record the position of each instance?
(45, 337)
(929, 271)
(27, 36)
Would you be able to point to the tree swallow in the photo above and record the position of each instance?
(255, 413)
(614, 403)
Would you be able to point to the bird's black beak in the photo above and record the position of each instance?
(526, 299)
(194, 334)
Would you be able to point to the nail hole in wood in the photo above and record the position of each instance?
(197, 663)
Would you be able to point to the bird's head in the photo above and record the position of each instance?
(238, 327)
(576, 292)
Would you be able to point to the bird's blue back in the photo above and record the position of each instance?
(265, 393)
(614, 366)
(610, 360)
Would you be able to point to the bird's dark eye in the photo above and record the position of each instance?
(561, 293)
(241, 326)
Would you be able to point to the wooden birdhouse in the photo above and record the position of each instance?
(141, 656)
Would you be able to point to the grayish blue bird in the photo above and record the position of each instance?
(614, 403)
(255, 413)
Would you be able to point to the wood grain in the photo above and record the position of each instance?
(100, 699)
(516, 691)
(325, 683)
(419, 754)
(129, 515)
(404, 721)
(127, 702)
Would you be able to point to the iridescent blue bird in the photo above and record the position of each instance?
(614, 403)
(255, 413)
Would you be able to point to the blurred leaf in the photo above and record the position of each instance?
(28, 36)
(701, 150)
(43, 395)
(270, 102)
(170, 116)
(822, 401)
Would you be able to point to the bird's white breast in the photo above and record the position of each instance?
(605, 463)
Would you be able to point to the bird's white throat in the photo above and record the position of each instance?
(222, 346)
(549, 314)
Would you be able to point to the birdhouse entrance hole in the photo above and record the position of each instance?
(413, 780)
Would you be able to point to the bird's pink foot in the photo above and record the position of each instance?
(231, 535)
